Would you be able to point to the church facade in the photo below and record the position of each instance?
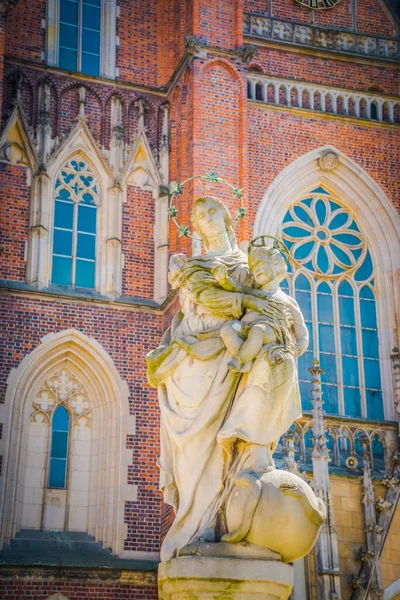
(107, 105)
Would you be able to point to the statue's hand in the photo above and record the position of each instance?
(220, 273)
(274, 309)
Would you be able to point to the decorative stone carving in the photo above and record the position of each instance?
(62, 388)
(193, 44)
(228, 390)
(329, 161)
(247, 53)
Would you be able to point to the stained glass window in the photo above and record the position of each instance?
(59, 449)
(333, 283)
(75, 222)
(79, 36)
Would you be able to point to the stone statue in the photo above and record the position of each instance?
(228, 389)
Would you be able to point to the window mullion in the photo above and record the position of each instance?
(315, 328)
(74, 242)
(360, 353)
(338, 349)
(80, 34)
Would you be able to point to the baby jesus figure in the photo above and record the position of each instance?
(244, 339)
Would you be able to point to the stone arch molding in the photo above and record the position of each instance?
(107, 488)
(393, 591)
(342, 177)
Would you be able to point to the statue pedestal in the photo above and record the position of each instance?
(206, 578)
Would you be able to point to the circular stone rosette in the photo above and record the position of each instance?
(323, 237)
(211, 178)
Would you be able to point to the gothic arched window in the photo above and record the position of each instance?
(75, 225)
(59, 449)
(333, 282)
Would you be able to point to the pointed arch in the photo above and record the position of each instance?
(90, 364)
(375, 215)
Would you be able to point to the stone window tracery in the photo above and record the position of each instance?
(75, 226)
(333, 281)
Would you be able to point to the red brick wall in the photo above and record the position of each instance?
(127, 335)
(25, 37)
(21, 589)
(372, 19)
(138, 243)
(277, 138)
(280, 63)
(137, 54)
(14, 220)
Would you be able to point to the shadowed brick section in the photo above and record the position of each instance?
(25, 37)
(22, 589)
(14, 219)
(372, 19)
(138, 243)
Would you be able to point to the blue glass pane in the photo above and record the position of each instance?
(303, 250)
(63, 215)
(91, 41)
(90, 64)
(370, 343)
(61, 270)
(64, 194)
(322, 260)
(328, 365)
(372, 374)
(90, 17)
(86, 247)
(86, 219)
(324, 288)
(305, 363)
(310, 335)
(366, 292)
(305, 393)
(352, 402)
(69, 12)
(348, 340)
(345, 289)
(85, 274)
(87, 197)
(295, 231)
(338, 221)
(374, 405)
(302, 283)
(92, 2)
(62, 243)
(68, 36)
(365, 271)
(330, 398)
(326, 338)
(350, 371)
(325, 308)
(60, 419)
(319, 190)
(59, 444)
(368, 314)
(58, 469)
(340, 255)
(346, 311)
(68, 59)
(303, 215)
(304, 300)
(320, 209)
(347, 238)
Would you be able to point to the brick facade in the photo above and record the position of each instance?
(212, 125)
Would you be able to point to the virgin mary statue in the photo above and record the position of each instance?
(199, 395)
